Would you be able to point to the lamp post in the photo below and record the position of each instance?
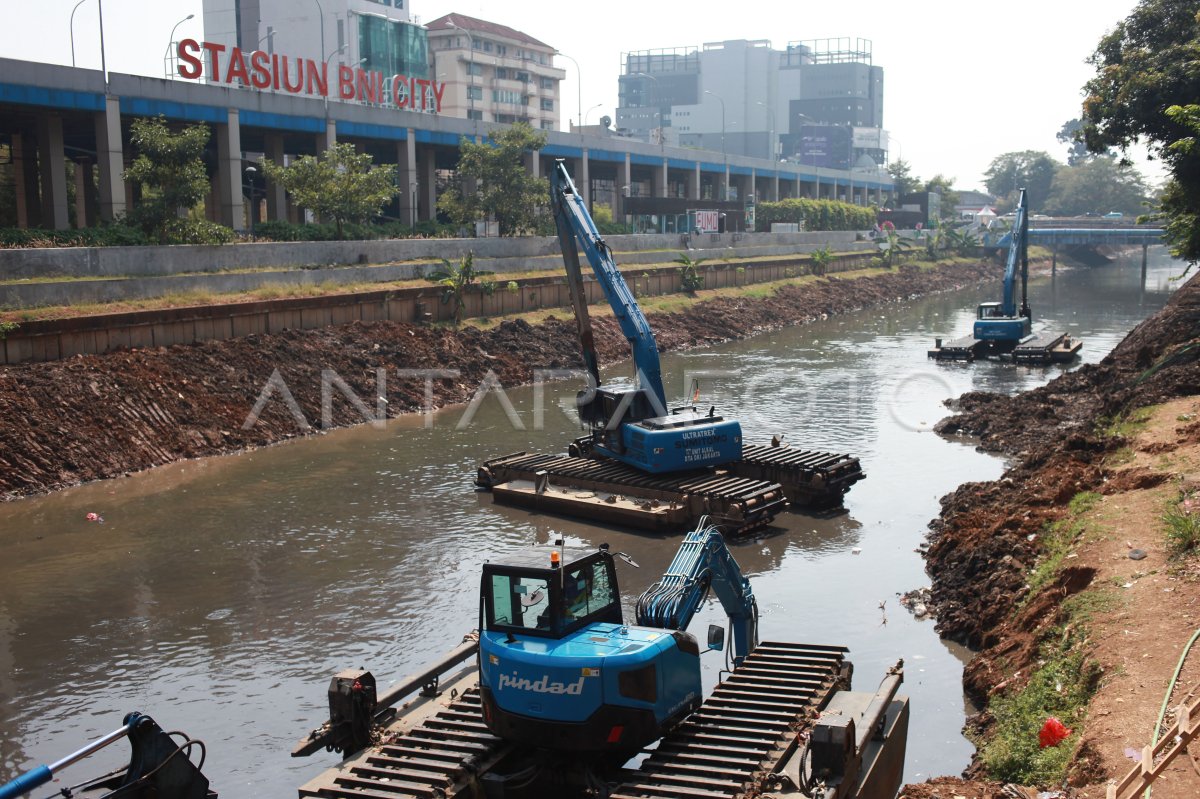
(724, 155)
(170, 39)
(73, 10)
(588, 113)
(321, 21)
(326, 63)
(250, 172)
(771, 142)
(471, 68)
(578, 89)
(269, 39)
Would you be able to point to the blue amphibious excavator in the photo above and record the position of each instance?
(642, 464)
(560, 696)
(1003, 328)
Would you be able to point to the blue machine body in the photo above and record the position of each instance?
(559, 668)
(1002, 324)
(632, 425)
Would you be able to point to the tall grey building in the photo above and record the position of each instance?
(817, 102)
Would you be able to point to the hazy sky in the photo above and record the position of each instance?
(963, 81)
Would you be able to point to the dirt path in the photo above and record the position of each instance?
(94, 417)
(1035, 569)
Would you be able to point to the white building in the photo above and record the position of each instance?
(494, 73)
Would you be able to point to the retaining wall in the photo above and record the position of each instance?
(53, 339)
(17, 264)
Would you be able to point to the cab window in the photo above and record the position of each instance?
(586, 590)
(520, 601)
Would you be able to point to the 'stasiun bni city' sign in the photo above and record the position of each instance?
(260, 70)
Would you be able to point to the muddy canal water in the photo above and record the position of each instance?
(219, 596)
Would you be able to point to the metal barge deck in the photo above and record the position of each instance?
(1037, 348)
(743, 739)
(739, 497)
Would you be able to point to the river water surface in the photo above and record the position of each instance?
(220, 595)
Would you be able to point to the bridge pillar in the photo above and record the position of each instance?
(276, 195)
(229, 206)
(52, 171)
(406, 160)
(111, 158)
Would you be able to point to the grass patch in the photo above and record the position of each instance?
(1062, 686)
(1182, 523)
(1058, 539)
(1126, 425)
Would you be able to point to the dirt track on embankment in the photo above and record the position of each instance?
(94, 417)
(1067, 438)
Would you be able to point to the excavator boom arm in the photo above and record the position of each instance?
(571, 217)
(703, 562)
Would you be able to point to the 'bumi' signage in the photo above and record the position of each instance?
(260, 70)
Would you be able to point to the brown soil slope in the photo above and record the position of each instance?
(93, 417)
(1068, 439)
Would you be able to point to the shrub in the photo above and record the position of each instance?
(817, 214)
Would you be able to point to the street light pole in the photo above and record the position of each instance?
(171, 38)
(470, 69)
(724, 155)
(321, 21)
(73, 10)
(578, 89)
(103, 63)
(589, 111)
(774, 154)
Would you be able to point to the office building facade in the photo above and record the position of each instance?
(818, 103)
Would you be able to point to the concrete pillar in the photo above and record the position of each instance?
(774, 191)
(406, 176)
(276, 196)
(82, 189)
(427, 187)
(230, 211)
(20, 159)
(52, 171)
(664, 181)
(625, 189)
(110, 157)
(533, 163)
(328, 138)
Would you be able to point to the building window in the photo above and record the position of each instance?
(548, 83)
(487, 47)
(523, 77)
(501, 49)
(501, 73)
(474, 69)
(474, 92)
(472, 114)
(506, 119)
(507, 97)
(547, 124)
(547, 104)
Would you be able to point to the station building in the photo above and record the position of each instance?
(278, 103)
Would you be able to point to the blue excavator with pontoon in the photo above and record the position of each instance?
(1003, 328)
(559, 695)
(643, 463)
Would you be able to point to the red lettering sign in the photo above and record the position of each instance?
(257, 69)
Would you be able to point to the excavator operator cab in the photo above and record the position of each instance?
(989, 310)
(535, 594)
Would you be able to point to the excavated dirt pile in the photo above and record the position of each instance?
(980, 547)
(93, 417)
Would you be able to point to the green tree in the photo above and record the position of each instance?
(169, 168)
(1144, 67)
(502, 188)
(1072, 133)
(945, 187)
(905, 182)
(340, 184)
(1032, 170)
(689, 277)
(1097, 186)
